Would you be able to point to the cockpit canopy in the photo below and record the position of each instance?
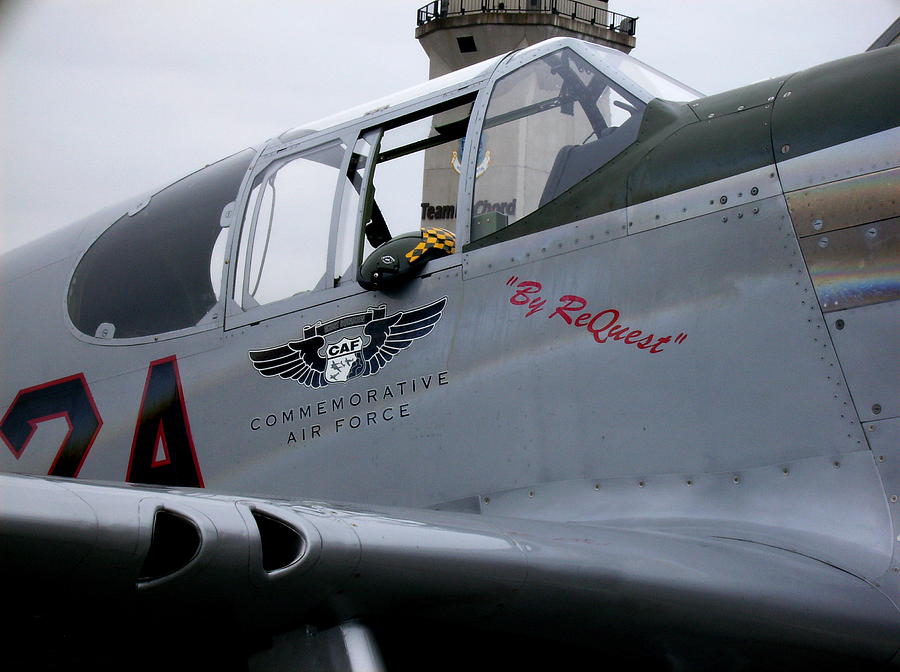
(158, 269)
(479, 153)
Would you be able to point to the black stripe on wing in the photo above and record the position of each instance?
(391, 334)
(295, 360)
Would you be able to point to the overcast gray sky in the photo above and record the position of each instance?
(101, 100)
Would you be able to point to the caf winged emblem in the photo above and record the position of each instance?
(318, 359)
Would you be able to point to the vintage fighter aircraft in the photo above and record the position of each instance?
(628, 391)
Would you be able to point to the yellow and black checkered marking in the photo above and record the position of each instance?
(433, 238)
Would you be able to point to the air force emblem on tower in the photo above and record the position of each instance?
(371, 340)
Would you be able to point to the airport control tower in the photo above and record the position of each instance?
(459, 33)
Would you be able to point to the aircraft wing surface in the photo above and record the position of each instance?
(276, 564)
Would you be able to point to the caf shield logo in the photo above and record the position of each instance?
(341, 358)
(370, 340)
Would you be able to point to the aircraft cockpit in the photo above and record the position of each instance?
(367, 199)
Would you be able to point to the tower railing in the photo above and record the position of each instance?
(578, 11)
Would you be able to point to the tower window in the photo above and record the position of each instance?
(466, 44)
